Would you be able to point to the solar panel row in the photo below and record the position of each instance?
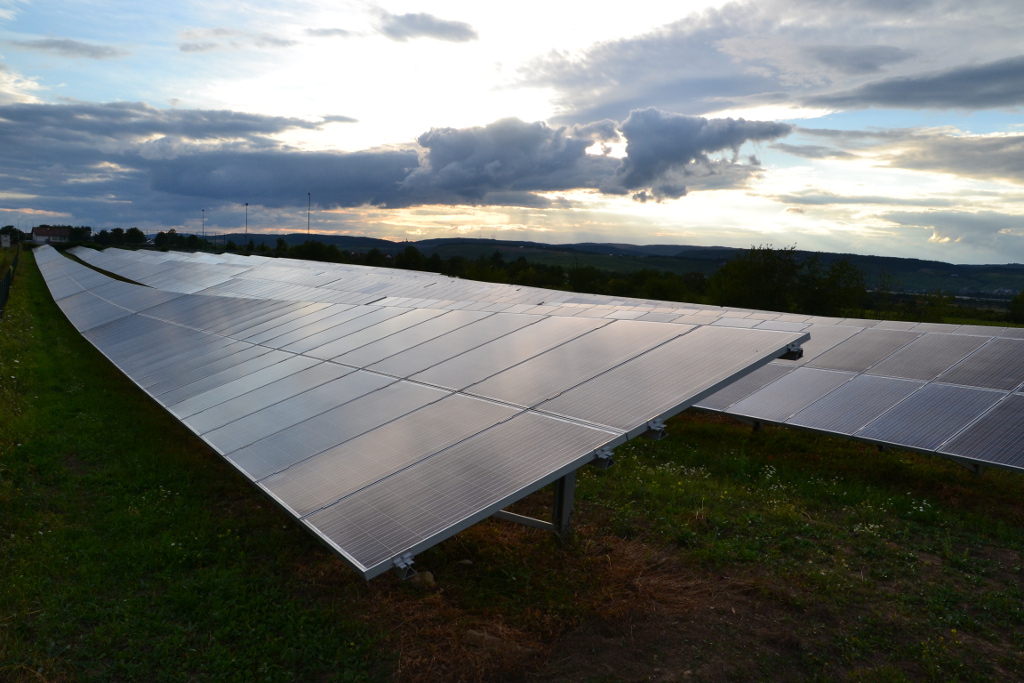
(985, 364)
(387, 428)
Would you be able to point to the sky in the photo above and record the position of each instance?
(888, 127)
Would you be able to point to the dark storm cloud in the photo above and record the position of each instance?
(402, 27)
(605, 130)
(104, 159)
(662, 145)
(280, 179)
(858, 59)
(114, 126)
(66, 47)
(992, 85)
(506, 155)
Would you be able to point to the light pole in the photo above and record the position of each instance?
(247, 219)
(309, 203)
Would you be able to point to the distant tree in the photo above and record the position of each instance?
(314, 250)
(102, 238)
(13, 232)
(1017, 308)
(410, 259)
(435, 263)
(762, 277)
(282, 247)
(231, 246)
(117, 236)
(375, 257)
(192, 242)
(781, 280)
(134, 236)
(77, 234)
(251, 246)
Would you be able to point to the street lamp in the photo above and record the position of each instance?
(247, 219)
(204, 223)
(309, 202)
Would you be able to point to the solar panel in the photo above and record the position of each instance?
(477, 364)
(315, 435)
(999, 364)
(294, 410)
(548, 374)
(355, 464)
(996, 437)
(379, 466)
(927, 356)
(863, 350)
(855, 403)
(928, 418)
(745, 386)
(449, 491)
(785, 397)
(649, 386)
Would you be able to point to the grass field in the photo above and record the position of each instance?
(130, 551)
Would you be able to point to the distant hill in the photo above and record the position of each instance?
(909, 275)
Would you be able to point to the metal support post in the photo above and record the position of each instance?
(403, 566)
(565, 490)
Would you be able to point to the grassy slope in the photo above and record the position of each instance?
(130, 551)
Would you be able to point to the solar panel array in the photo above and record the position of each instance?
(882, 381)
(387, 422)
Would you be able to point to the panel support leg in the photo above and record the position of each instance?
(565, 490)
(561, 522)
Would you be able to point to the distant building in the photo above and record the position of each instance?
(48, 234)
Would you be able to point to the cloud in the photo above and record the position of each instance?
(509, 154)
(980, 229)
(811, 52)
(199, 46)
(339, 119)
(210, 39)
(112, 159)
(823, 198)
(15, 88)
(328, 33)
(996, 84)
(66, 47)
(663, 149)
(988, 157)
(402, 27)
(857, 59)
(813, 151)
(275, 178)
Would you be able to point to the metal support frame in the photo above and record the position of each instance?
(403, 567)
(793, 352)
(565, 491)
(656, 430)
(975, 467)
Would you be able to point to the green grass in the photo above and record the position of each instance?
(130, 551)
